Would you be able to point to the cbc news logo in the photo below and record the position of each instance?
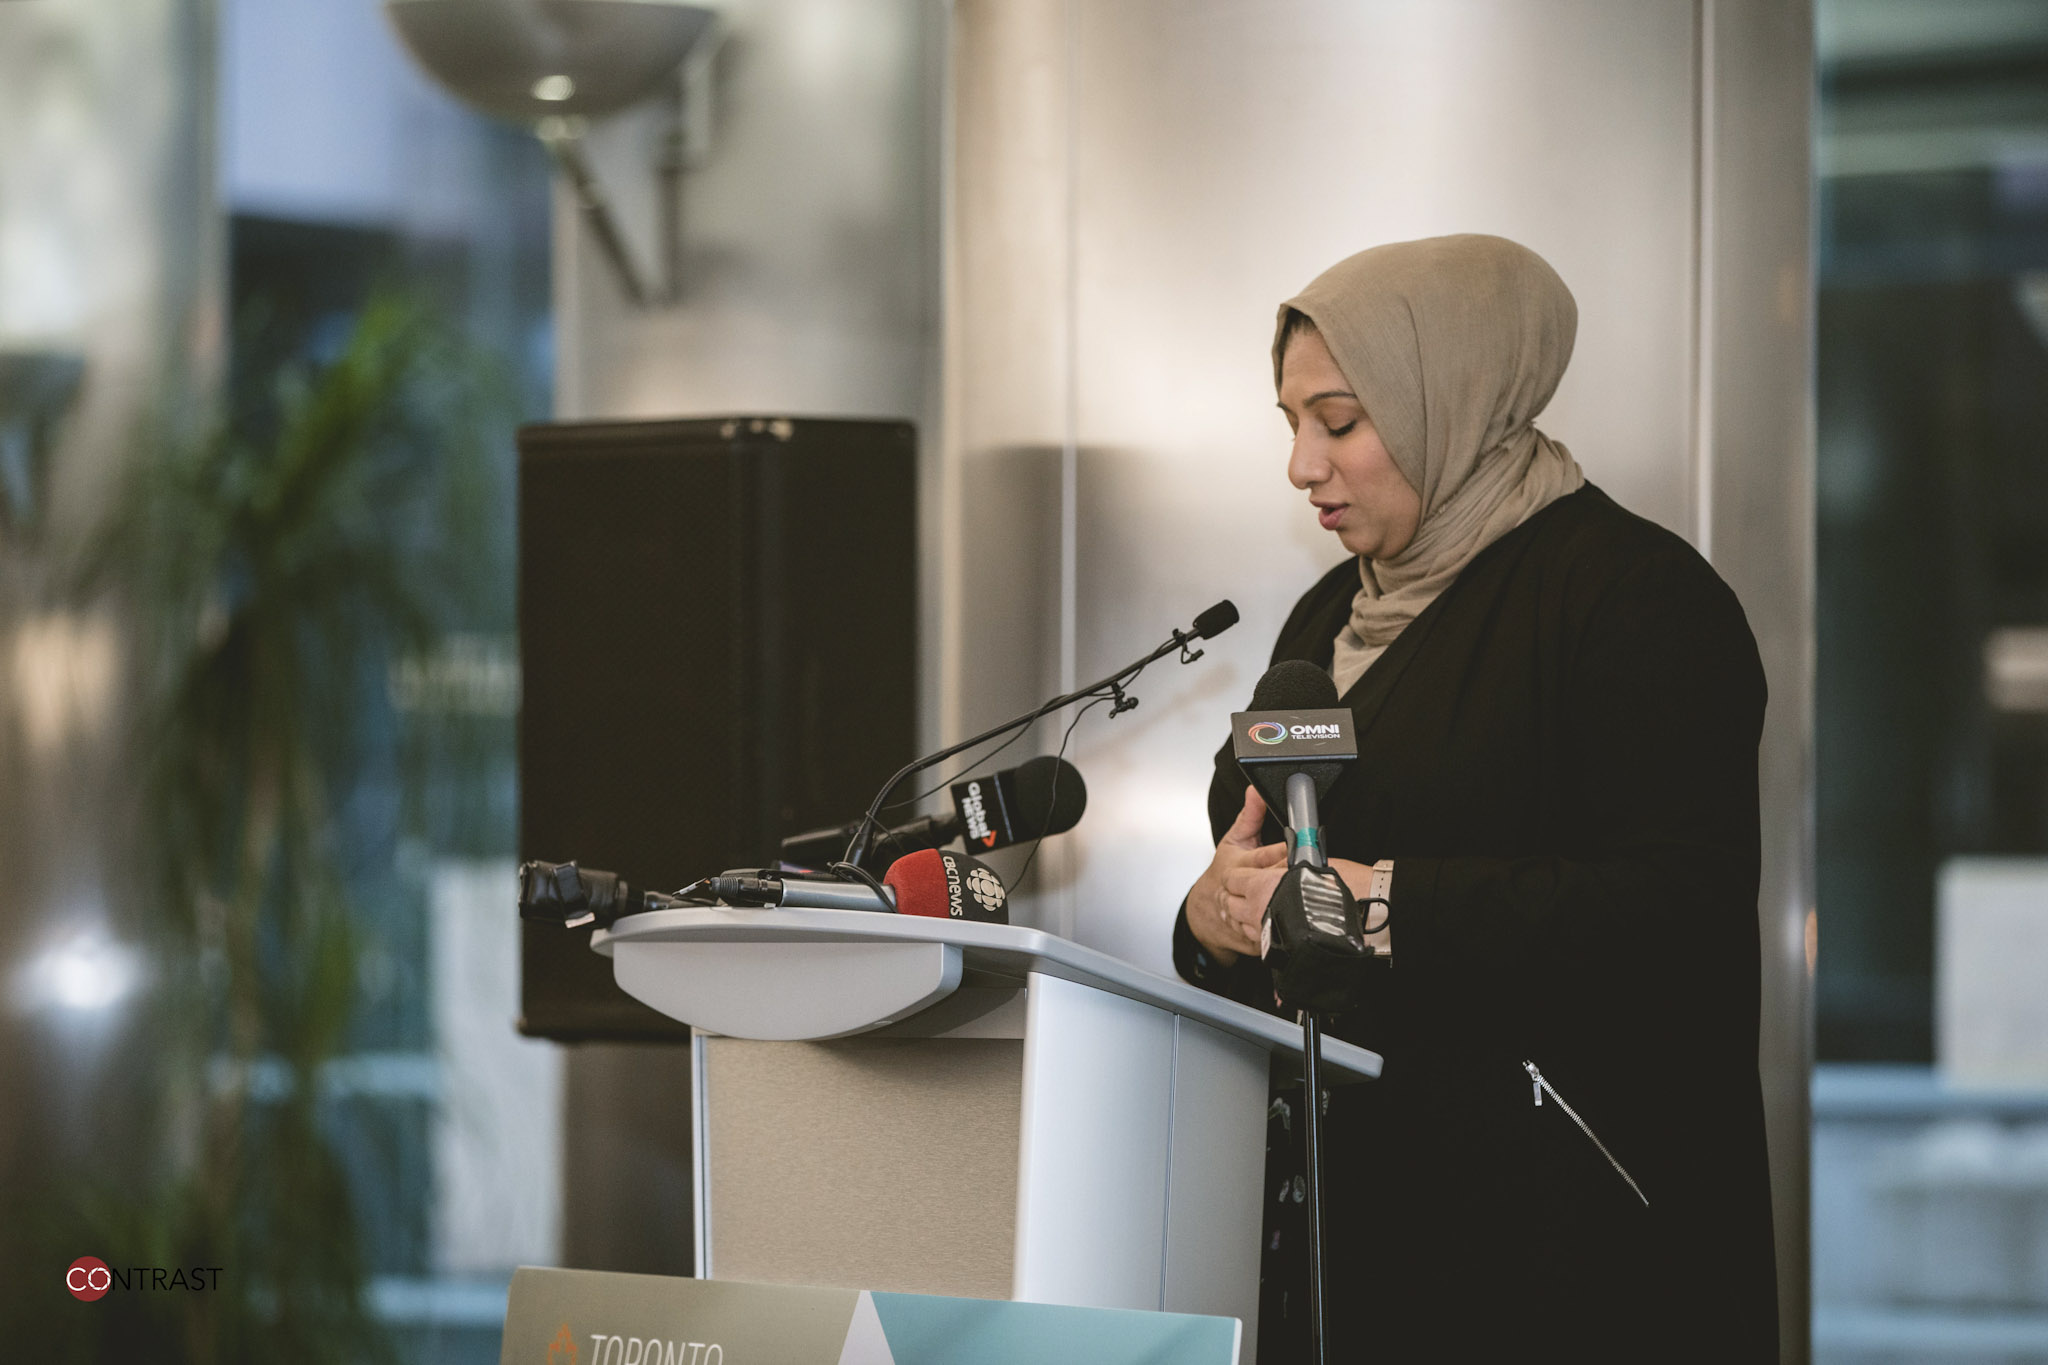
(988, 891)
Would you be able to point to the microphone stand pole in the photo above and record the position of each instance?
(1312, 1136)
(1305, 833)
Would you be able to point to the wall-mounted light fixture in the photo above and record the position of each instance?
(554, 66)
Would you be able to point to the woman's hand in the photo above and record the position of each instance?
(1229, 900)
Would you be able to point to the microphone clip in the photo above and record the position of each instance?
(1187, 654)
(1313, 941)
(1122, 702)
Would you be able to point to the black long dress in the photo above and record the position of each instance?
(1560, 754)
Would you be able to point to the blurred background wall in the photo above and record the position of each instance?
(198, 204)
(110, 325)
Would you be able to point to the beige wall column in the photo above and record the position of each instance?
(1754, 517)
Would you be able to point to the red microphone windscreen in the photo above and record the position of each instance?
(947, 885)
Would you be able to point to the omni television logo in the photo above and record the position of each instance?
(1268, 732)
(89, 1278)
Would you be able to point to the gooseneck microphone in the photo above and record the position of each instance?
(1040, 797)
(1211, 623)
(1292, 745)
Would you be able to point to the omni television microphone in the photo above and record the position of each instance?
(1292, 744)
(947, 885)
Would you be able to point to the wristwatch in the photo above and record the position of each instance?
(1382, 881)
(1381, 889)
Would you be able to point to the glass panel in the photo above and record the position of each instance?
(1930, 1100)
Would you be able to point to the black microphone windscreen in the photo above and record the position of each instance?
(1216, 619)
(1294, 685)
(1050, 797)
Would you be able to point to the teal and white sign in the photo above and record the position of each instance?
(587, 1317)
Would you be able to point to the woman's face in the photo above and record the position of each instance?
(1338, 459)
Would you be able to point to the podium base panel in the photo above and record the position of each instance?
(863, 1163)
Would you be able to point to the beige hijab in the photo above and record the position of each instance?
(1453, 344)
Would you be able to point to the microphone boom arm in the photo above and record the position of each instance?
(1113, 685)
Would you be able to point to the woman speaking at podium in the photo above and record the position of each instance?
(1558, 706)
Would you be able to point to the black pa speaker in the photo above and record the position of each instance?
(718, 638)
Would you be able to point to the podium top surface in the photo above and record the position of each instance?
(1001, 950)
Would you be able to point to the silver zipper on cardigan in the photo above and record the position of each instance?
(1538, 1084)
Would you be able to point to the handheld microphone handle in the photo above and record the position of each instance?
(1305, 821)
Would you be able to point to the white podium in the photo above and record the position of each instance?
(930, 1106)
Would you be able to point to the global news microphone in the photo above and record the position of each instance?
(1558, 706)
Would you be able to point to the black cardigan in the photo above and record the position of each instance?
(1560, 755)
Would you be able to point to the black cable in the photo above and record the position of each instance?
(965, 769)
(1052, 793)
(862, 875)
(1364, 913)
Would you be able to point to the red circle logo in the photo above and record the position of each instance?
(88, 1278)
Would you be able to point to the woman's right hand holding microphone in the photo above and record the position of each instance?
(1228, 901)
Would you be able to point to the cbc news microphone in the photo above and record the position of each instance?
(1038, 797)
(931, 882)
(1292, 745)
(948, 885)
